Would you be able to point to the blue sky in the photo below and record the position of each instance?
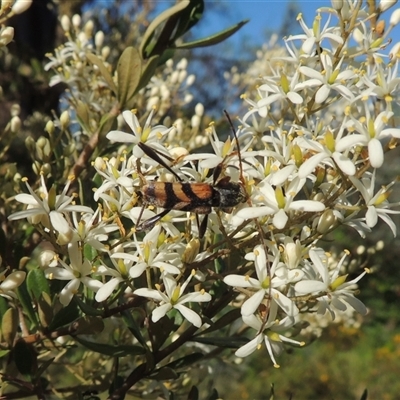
(265, 16)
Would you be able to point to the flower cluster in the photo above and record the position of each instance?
(304, 162)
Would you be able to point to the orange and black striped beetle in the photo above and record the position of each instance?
(195, 197)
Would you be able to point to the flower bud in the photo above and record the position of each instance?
(47, 258)
(65, 23)
(199, 109)
(64, 119)
(99, 39)
(326, 222)
(395, 51)
(15, 110)
(6, 35)
(105, 52)
(30, 144)
(395, 17)
(15, 124)
(190, 80)
(386, 4)
(337, 4)
(88, 28)
(195, 121)
(49, 128)
(182, 64)
(76, 21)
(21, 6)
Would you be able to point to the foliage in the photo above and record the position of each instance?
(136, 258)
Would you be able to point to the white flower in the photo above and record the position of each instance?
(377, 204)
(48, 209)
(149, 254)
(10, 283)
(267, 332)
(369, 135)
(174, 298)
(146, 134)
(265, 284)
(274, 201)
(330, 79)
(77, 273)
(337, 294)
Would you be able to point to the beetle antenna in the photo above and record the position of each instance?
(237, 144)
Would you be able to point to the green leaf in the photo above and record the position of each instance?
(3, 306)
(26, 301)
(87, 308)
(43, 366)
(151, 65)
(45, 309)
(183, 362)
(193, 394)
(189, 17)
(164, 374)
(107, 122)
(89, 325)
(214, 395)
(89, 252)
(112, 350)
(225, 320)
(214, 39)
(103, 70)
(83, 115)
(129, 72)
(9, 325)
(146, 47)
(133, 327)
(24, 357)
(364, 395)
(65, 316)
(230, 343)
(37, 283)
(4, 353)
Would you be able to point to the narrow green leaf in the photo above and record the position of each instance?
(3, 306)
(112, 350)
(230, 343)
(9, 325)
(107, 123)
(24, 358)
(89, 325)
(164, 374)
(183, 362)
(160, 19)
(45, 309)
(133, 327)
(193, 394)
(214, 395)
(4, 353)
(225, 320)
(189, 17)
(364, 395)
(37, 283)
(82, 115)
(214, 39)
(151, 65)
(65, 316)
(43, 366)
(88, 309)
(129, 71)
(26, 301)
(103, 70)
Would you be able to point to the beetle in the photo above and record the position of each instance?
(195, 197)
